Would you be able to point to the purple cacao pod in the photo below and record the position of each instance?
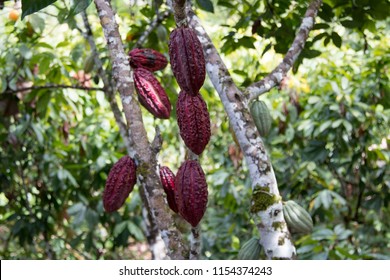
(194, 121)
(151, 94)
(187, 59)
(119, 184)
(191, 192)
(149, 59)
(168, 182)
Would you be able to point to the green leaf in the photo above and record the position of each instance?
(247, 42)
(79, 6)
(31, 6)
(336, 39)
(37, 23)
(38, 133)
(135, 231)
(321, 26)
(119, 228)
(310, 53)
(266, 49)
(25, 51)
(350, 23)
(206, 5)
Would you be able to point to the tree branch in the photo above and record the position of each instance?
(52, 86)
(266, 205)
(143, 154)
(275, 77)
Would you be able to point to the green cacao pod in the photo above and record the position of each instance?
(261, 117)
(297, 218)
(250, 250)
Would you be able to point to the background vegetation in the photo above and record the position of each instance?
(329, 142)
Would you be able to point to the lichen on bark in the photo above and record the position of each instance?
(262, 199)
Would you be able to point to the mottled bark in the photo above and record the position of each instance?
(195, 245)
(143, 151)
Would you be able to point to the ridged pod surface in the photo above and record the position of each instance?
(149, 59)
(120, 182)
(168, 182)
(187, 59)
(151, 94)
(191, 192)
(297, 218)
(261, 117)
(194, 121)
(250, 250)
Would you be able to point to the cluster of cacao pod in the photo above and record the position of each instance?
(150, 92)
(119, 184)
(261, 117)
(297, 218)
(188, 67)
(187, 191)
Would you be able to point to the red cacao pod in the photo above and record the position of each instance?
(119, 184)
(149, 59)
(187, 59)
(191, 192)
(151, 94)
(194, 121)
(168, 182)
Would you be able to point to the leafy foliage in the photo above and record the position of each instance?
(329, 140)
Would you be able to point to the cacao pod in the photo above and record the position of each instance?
(191, 192)
(168, 182)
(151, 94)
(187, 59)
(149, 59)
(250, 250)
(120, 182)
(194, 121)
(261, 117)
(297, 218)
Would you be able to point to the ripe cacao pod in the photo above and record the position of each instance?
(297, 218)
(250, 250)
(194, 121)
(168, 182)
(191, 192)
(261, 117)
(119, 184)
(187, 59)
(149, 59)
(151, 94)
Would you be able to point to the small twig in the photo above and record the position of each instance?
(53, 86)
